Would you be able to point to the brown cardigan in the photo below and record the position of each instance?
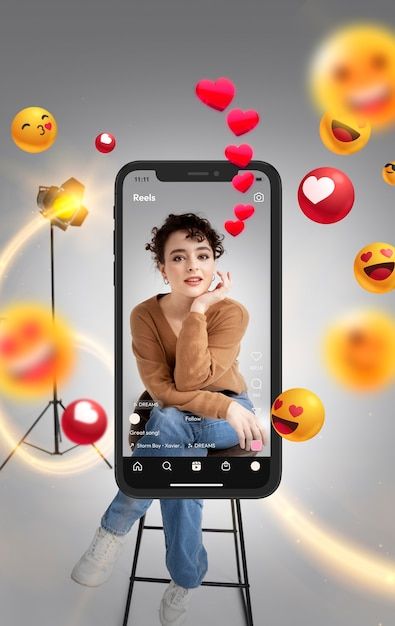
(184, 372)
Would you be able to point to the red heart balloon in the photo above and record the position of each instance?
(242, 182)
(278, 403)
(234, 228)
(387, 252)
(366, 256)
(241, 122)
(217, 94)
(239, 155)
(244, 211)
(295, 410)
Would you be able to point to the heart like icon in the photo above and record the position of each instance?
(242, 182)
(239, 155)
(83, 412)
(234, 228)
(217, 94)
(241, 122)
(317, 189)
(48, 126)
(244, 211)
(105, 138)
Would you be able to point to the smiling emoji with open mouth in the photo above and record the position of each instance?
(344, 133)
(297, 414)
(35, 351)
(374, 267)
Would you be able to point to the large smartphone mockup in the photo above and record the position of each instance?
(167, 446)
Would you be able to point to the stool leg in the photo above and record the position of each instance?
(133, 572)
(246, 595)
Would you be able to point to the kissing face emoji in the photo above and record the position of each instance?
(34, 129)
(297, 414)
(388, 173)
(355, 71)
(34, 351)
(343, 133)
(374, 267)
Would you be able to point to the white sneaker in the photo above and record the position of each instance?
(96, 564)
(174, 604)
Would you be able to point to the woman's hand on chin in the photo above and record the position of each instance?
(203, 302)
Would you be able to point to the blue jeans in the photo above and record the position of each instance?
(186, 557)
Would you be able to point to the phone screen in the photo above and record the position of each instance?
(179, 371)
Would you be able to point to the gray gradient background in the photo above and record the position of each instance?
(130, 69)
(250, 278)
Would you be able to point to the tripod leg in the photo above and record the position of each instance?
(24, 436)
(102, 456)
(133, 572)
(244, 562)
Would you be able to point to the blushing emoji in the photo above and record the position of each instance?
(388, 173)
(354, 70)
(343, 133)
(35, 351)
(34, 129)
(297, 414)
(360, 350)
(374, 267)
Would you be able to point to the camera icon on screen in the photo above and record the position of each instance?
(259, 197)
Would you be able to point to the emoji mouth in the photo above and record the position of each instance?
(42, 128)
(35, 366)
(285, 427)
(370, 100)
(344, 133)
(379, 271)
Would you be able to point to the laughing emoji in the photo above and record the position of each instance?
(374, 267)
(355, 71)
(343, 133)
(388, 173)
(35, 351)
(297, 414)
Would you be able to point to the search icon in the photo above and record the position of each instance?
(166, 465)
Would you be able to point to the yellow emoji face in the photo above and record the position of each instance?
(388, 173)
(343, 133)
(297, 414)
(34, 129)
(360, 350)
(355, 70)
(34, 351)
(374, 267)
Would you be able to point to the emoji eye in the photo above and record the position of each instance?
(379, 61)
(7, 346)
(341, 73)
(42, 117)
(366, 256)
(25, 125)
(30, 330)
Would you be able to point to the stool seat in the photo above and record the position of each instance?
(143, 408)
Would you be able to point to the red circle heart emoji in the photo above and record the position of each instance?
(48, 126)
(244, 211)
(241, 122)
(366, 256)
(278, 403)
(239, 155)
(234, 228)
(242, 182)
(295, 410)
(217, 94)
(387, 252)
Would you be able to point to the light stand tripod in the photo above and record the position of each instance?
(55, 402)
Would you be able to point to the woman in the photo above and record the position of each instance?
(186, 344)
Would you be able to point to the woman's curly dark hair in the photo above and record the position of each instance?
(198, 228)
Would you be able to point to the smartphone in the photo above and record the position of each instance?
(197, 276)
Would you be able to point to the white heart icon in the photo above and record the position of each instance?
(105, 138)
(317, 189)
(83, 412)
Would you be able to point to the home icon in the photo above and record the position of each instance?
(137, 467)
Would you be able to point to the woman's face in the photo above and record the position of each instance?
(189, 264)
